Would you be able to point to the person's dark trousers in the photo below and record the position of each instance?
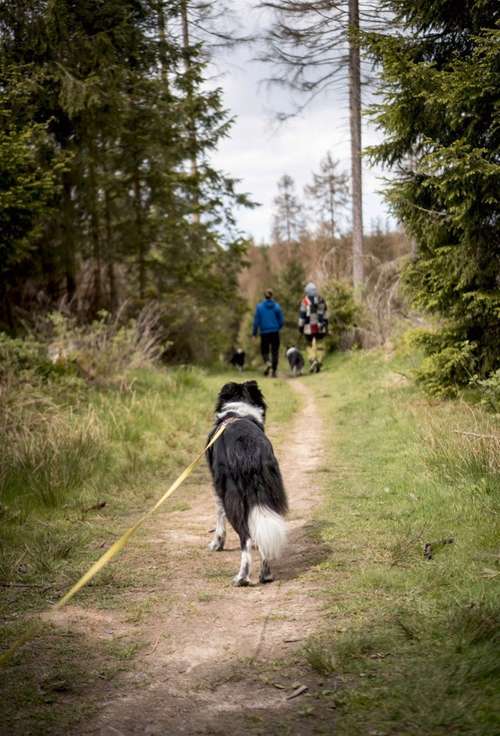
(270, 341)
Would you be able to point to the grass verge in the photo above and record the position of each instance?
(413, 640)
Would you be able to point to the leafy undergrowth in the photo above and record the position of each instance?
(413, 638)
(79, 471)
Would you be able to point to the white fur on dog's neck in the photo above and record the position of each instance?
(290, 351)
(242, 409)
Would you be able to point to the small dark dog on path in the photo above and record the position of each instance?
(295, 360)
(238, 359)
(247, 480)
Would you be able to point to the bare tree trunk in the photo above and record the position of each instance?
(110, 266)
(67, 236)
(141, 253)
(5, 305)
(163, 42)
(288, 231)
(95, 227)
(109, 247)
(355, 123)
(333, 249)
(191, 124)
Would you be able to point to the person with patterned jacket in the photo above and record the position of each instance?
(313, 324)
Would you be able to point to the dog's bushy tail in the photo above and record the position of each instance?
(268, 531)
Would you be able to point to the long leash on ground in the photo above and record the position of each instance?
(115, 548)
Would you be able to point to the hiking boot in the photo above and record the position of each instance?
(267, 370)
(274, 374)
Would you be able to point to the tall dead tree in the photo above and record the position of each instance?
(186, 53)
(355, 126)
(162, 43)
(312, 44)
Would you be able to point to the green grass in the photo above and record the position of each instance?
(413, 642)
(133, 446)
(68, 457)
(410, 645)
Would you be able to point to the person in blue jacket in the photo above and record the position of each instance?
(268, 321)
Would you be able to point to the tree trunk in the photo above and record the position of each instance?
(141, 253)
(67, 236)
(110, 266)
(333, 249)
(191, 122)
(355, 124)
(95, 227)
(163, 42)
(288, 224)
(109, 250)
(5, 305)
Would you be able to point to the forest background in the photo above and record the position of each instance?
(110, 204)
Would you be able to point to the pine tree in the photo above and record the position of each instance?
(131, 221)
(329, 194)
(31, 170)
(289, 292)
(288, 220)
(440, 90)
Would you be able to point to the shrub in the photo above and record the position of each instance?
(105, 350)
(439, 364)
(343, 311)
(22, 358)
(444, 371)
(490, 391)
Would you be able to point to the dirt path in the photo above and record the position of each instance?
(210, 663)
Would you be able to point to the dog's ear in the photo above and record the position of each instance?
(255, 394)
(229, 392)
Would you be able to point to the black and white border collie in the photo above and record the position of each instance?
(247, 480)
(238, 359)
(295, 360)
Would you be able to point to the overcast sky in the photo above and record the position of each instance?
(260, 150)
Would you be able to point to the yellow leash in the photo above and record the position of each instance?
(115, 548)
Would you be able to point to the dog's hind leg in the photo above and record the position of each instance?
(217, 543)
(243, 577)
(266, 575)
